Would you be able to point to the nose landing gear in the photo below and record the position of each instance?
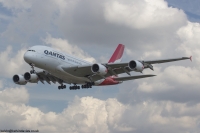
(32, 67)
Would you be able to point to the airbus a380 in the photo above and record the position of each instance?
(66, 69)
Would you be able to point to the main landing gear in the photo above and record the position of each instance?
(62, 87)
(86, 86)
(75, 87)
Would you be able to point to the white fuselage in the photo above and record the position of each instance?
(52, 60)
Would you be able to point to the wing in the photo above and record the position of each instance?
(45, 76)
(112, 68)
(85, 71)
(167, 60)
(118, 68)
(147, 64)
(132, 77)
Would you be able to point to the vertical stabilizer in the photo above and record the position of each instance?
(117, 55)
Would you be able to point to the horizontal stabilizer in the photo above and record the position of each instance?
(132, 77)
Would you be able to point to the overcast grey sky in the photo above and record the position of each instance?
(91, 29)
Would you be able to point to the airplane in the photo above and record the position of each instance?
(56, 66)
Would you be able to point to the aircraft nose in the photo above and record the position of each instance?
(28, 57)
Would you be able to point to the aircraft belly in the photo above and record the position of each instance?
(51, 64)
(70, 79)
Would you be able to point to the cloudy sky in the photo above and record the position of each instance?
(91, 29)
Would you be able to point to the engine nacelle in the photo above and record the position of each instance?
(99, 69)
(19, 79)
(136, 66)
(32, 78)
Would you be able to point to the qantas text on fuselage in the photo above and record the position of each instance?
(59, 67)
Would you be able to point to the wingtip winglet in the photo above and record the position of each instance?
(191, 58)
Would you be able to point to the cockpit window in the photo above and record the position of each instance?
(32, 50)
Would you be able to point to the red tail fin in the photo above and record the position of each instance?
(117, 55)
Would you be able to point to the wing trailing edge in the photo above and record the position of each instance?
(132, 77)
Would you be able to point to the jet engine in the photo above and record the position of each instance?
(32, 78)
(136, 66)
(99, 69)
(19, 79)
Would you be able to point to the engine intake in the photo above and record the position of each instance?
(32, 78)
(19, 79)
(99, 69)
(136, 66)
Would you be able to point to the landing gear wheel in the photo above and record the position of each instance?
(75, 87)
(62, 87)
(87, 85)
(32, 71)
